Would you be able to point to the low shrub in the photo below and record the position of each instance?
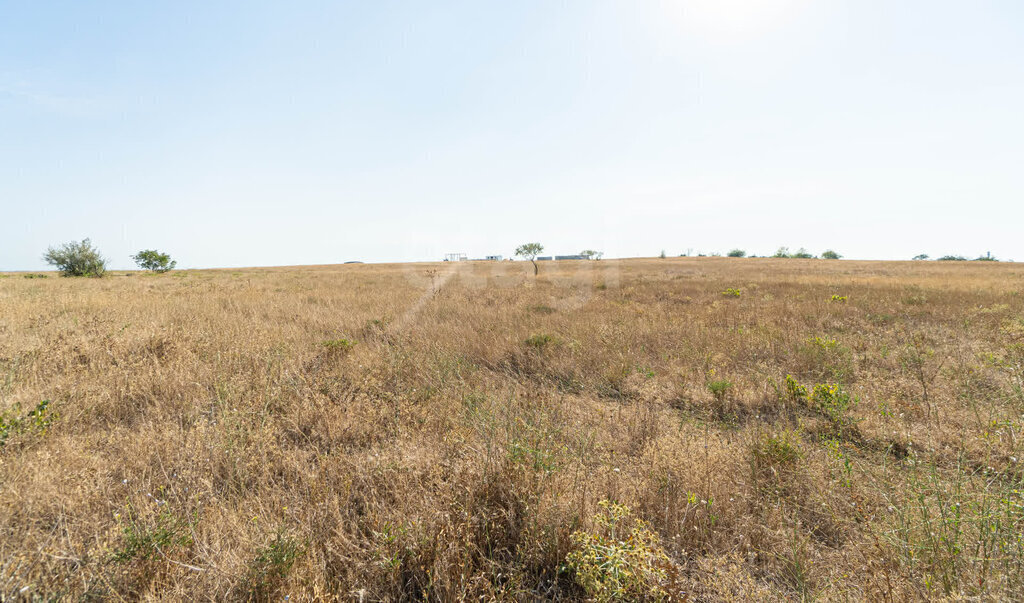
(621, 559)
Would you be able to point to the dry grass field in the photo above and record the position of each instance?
(696, 429)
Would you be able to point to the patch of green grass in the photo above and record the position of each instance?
(338, 345)
(540, 341)
(144, 539)
(267, 572)
(36, 420)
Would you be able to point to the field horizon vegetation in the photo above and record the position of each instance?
(675, 428)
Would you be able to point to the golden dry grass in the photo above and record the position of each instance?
(211, 434)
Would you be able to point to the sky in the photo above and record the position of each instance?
(267, 133)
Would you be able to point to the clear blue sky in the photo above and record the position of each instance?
(271, 133)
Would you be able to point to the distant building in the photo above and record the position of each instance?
(544, 258)
(455, 257)
(494, 258)
(571, 257)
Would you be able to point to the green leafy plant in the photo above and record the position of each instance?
(154, 261)
(621, 559)
(826, 344)
(732, 292)
(36, 420)
(828, 254)
(719, 388)
(831, 401)
(838, 299)
(737, 253)
(795, 391)
(77, 258)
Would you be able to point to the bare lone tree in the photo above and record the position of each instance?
(530, 251)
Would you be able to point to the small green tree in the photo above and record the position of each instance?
(591, 254)
(77, 258)
(921, 256)
(828, 254)
(151, 259)
(737, 253)
(782, 252)
(530, 251)
(802, 254)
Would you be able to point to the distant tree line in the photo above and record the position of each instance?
(782, 252)
(988, 257)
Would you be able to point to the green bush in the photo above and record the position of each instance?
(77, 259)
(153, 260)
(732, 292)
(828, 254)
(737, 253)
